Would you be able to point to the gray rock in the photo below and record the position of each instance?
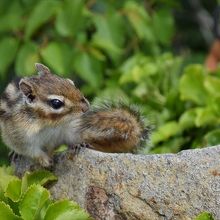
(125, 186)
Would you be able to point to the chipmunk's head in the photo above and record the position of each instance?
(52, 97)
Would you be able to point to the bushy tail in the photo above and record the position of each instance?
(114, 127)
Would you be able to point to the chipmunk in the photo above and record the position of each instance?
(39, 113)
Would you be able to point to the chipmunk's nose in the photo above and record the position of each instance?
(85, 104)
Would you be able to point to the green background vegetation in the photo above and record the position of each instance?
(146, 52)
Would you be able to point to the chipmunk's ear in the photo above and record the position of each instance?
(42, 70)
(71, 81)
(27, 89)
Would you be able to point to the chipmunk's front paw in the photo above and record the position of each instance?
(45, 161)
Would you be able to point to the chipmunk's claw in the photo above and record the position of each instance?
(76, 148)
(13, 156)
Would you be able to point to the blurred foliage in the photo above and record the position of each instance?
(27, 199)
(116, 49)
(197, 123)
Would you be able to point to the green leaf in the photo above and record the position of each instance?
(212, 84)
(13, 190)
(166, 131)
(65, 210)
(204, 216)
(88, 68)
(58, 56)
(212, 138)
(61, 148)
(8, 49)
(110, 33)
(6, 174)
(41, 177)
(44, 209)
(140, 20)
(42, 12)
(33, 201)
(11, 19)
(140, 90)
(129, 69)
(6, 213)
(137, 68)
(206, 116)
(172, 145)
(26, 58)
(192, 85)
(214, 105)
(96, 53)
(187, 119)
(163, 23)
(69, 19)
(2, 195)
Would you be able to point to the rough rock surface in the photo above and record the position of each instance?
(125, 186)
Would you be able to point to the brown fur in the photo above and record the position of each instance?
(113, 129)
(52, 84)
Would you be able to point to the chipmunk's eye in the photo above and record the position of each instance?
(56, 103)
